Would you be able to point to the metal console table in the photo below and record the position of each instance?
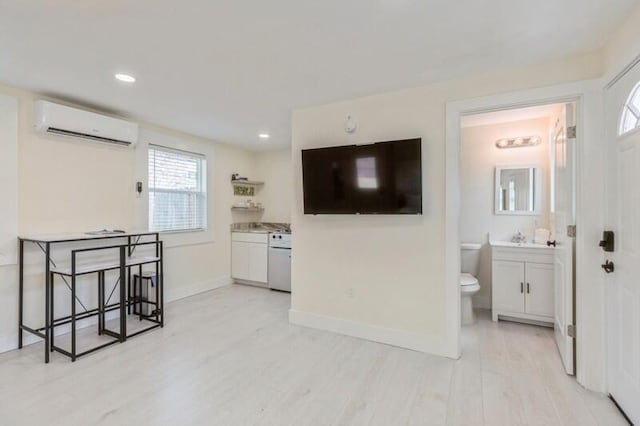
(126, 261)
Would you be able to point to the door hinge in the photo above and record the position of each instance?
(571, 331)
(571, 132)
(571, 231)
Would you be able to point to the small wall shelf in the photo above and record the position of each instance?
(245, 188)
(247, 209)
(247, 183)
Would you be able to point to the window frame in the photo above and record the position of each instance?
(202, 182)
(630, 108)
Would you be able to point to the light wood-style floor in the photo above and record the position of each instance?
(230, 357)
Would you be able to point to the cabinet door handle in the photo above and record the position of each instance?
(528, 289)
(521, 287)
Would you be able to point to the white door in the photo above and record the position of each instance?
(563, 207)
(622, 111)
(539, 292)
(508, 288)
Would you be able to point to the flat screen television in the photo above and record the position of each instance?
(379, 178)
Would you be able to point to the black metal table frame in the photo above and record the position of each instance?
(47, 332)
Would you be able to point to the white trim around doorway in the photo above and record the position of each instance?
(590, 306)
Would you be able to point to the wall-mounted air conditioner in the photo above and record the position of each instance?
(66, 121)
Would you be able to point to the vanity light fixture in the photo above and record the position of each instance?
(264, 136)
(520, 142)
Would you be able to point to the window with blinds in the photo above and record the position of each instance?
(177, 190)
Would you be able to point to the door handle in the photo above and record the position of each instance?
(608, 267)
(521, 287)
(528, 289)
(608, 241)
(551, 243)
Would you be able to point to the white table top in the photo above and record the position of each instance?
(80, 236)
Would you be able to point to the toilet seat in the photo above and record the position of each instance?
(469, 283)
(467, 279)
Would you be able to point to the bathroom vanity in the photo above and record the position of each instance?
(522, 282)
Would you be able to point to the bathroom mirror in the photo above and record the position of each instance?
(517, 190)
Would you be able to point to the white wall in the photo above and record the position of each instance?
(274, 168)
(383, 277)
(479, 157)
(205, 253)
(8, 178)
(623, 46)
(67, 185)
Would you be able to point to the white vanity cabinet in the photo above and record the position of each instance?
(250, 256)
(522, 282)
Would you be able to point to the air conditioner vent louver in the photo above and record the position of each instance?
(71, 122)
(61, 132)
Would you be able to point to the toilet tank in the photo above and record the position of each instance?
(470, 258)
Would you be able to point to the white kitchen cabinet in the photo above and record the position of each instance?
(258, 262)
(240, 260)
(249, 257)
(522, 283)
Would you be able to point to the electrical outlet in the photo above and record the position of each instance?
(350, 292)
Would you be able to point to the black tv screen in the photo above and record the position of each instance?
(379, 178)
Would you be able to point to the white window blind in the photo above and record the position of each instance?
(177, 190)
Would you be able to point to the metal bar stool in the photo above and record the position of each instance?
(143, 306)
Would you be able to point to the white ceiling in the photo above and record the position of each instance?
(509, 115)
(230, 69)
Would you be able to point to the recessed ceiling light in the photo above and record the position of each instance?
(263, 135)
(126, 78)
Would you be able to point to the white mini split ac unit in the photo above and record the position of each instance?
(66, 121)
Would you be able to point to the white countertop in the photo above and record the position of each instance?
(261, 228)
(521, 245)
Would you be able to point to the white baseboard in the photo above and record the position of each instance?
(10, 343)
(171, 294)
(250, 283)
(403, 339)
(482, 302)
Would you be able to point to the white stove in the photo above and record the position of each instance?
(279, 240)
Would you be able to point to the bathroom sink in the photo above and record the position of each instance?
(523, 245)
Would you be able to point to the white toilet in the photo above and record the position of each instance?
(469, 285)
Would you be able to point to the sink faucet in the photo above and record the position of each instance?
(519, 238)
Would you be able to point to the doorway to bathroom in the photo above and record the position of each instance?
(517, 219)
(590, 167)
